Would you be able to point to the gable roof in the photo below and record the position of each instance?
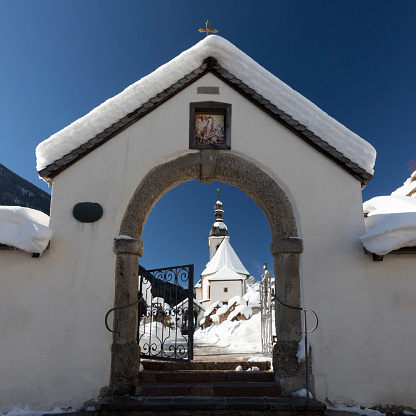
(227, 273)
(218, 56)
(225, 256)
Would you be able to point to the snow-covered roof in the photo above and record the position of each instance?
(390, 225)
(109, 116)
(226, 273)
(391, 220)
(24, 228)
(225, 256)
(408, 188)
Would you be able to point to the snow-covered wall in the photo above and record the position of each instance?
(53, 308)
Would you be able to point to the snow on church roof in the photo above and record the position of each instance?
(225, 256)
(237, 63)
(226, 273)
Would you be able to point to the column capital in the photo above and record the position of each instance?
(286, 245)
(128, 245)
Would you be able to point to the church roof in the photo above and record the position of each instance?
(218, 56)
(225, 256)
(226, 273)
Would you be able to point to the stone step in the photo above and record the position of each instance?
(155, 365)
(209, 406)
(210, 389)
(201, 376)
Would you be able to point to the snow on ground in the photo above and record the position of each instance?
(151, 334)
(301, 393)
(16, 411)
(237, 63)
(244, 310)
(24, 228)
(357, 409)
(238, 336)
(391, 220)
(252, 296)
(239, 300)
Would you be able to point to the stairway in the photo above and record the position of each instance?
(199, 388)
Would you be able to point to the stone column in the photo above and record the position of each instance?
(289, 373)
(127, 351)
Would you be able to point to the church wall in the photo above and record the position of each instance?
(56, 305)
(217, 290)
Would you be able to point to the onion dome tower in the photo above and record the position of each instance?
(219, 230)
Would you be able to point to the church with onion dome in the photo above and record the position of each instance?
(225, 275)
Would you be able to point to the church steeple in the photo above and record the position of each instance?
(219, 230)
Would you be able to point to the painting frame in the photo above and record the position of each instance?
(210, 125)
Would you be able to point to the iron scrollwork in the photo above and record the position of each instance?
(165, 330)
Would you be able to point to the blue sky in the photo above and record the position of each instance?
(354, 59)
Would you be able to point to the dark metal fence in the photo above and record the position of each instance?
(166, 313)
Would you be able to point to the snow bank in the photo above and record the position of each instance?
(24, 228)
(252, 297)
(237, 63)
(150, 338)
(244, 310)
(238, 336)
(238, 300)
(214, 305)
(391, 223)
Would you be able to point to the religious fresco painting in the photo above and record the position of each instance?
(210, 125)
(209, 128)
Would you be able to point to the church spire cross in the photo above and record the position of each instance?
(207, 29)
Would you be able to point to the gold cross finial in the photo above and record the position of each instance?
(207, 29)
(218, 194)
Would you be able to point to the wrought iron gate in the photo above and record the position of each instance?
(266, 314)
(166, 313)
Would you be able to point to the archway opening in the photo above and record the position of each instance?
(177, 233)
(286, 246)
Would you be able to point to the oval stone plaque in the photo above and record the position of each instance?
(87, 211)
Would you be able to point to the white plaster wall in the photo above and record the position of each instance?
(235, 288)
(57, 351)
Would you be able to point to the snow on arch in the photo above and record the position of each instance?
(237, 63)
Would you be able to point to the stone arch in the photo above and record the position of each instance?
(208, 165)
